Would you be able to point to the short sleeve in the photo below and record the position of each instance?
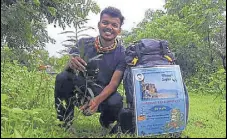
(82, 45)
(121, 66)
(75, 50)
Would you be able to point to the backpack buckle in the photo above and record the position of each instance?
(134, 61)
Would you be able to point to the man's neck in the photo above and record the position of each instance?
(105, 43)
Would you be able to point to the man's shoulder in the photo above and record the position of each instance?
(82, 43)
(86, 41)
(121, 46)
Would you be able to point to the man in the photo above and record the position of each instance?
(110, 69)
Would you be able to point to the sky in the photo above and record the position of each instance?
(132, 10)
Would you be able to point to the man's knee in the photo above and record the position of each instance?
(64, 76)
(115, 100)
(63, 84)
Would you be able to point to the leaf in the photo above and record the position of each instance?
(67, 32)
(15, 62)
(94, 84)
(4, 119)
(68, 45)
(199, 124)
(83, 35)
(81, 50)
(95, 58)
(39, 120)
(90, 92)
(69, 40)
(17, 134)
(35, 112)
(86, 29)
(52, 11)
(4, 97)
(27, 121)
(17, 110)
(82, 20)
(221, 71)
(85, 59)
(64, 104)
(78, 89)
(4, 20)
(37, 2)
(5, 108)
(222, 86)
(72, 37)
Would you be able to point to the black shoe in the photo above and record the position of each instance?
(115, 129)
(65, 125)
(111, 129)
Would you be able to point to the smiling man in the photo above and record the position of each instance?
(107, 72)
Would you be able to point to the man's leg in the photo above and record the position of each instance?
(64, 86)
(110, 109)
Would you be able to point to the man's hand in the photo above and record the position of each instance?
(92, 105)
(77, 63)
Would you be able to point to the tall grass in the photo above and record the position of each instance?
(27, 109)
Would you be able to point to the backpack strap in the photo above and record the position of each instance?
(138, 49)
(135, 59)
(165, 52)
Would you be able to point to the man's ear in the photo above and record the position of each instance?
(98, 25)
(119, 31)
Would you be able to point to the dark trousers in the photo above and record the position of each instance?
(64, 91)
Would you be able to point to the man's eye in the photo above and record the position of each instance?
(105, 23)
(115, 25)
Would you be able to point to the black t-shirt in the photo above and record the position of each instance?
(108, 63)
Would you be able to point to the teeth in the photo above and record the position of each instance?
(108, 33)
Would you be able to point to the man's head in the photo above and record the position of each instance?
(110, 23)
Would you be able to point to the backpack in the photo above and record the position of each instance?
(143, 53)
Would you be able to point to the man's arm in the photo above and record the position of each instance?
(107, 91)
(111, 87)
(76, 62)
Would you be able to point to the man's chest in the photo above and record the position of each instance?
(102, 62)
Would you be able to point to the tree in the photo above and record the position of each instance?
(23, 22)
(219, 42)
(194, 30)
(205, 17)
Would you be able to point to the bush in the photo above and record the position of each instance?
(27, 107)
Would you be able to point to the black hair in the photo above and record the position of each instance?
(114, 12)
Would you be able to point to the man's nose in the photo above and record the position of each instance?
(109, 26)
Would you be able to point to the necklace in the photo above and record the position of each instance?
(101, 49)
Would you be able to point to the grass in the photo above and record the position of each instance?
(207, 119)
(27, 110)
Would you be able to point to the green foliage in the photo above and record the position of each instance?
(23, 23)
(182, 41)
(59, 64)
(218, 82)
(27, 108)
(195, 31)
(209, 83)
(207, 18)
(22, 26)
(32, 60)
(74, 36)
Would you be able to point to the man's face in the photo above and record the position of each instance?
(109, 27)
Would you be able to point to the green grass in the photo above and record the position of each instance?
(27, 110)
(207, 119)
